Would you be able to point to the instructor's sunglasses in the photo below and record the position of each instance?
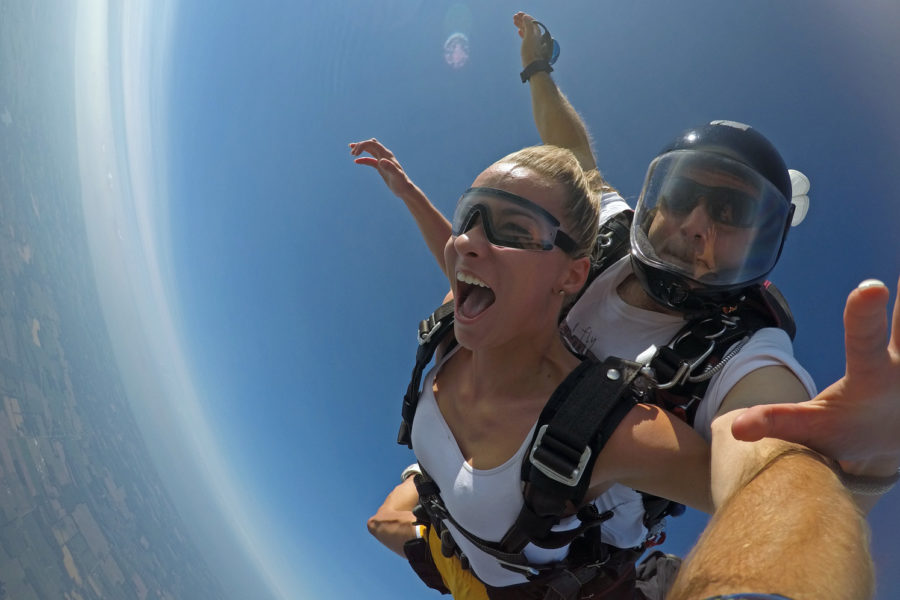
(510, 221)
(725, 206)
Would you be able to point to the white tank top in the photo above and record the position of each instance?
(486, 502)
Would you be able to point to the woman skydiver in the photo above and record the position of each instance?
(519, 249)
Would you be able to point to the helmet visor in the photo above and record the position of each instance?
(710, 219)
(509, 220)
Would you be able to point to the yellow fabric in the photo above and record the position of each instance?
(461, 583)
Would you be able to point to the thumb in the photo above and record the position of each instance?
(788, 422)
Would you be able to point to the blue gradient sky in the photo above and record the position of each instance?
(262, 291)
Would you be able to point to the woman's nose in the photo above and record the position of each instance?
(473, 239)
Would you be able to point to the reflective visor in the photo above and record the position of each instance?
(725, 206)
(709, 218)
(509, 220)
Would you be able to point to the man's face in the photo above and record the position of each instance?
(703, 224)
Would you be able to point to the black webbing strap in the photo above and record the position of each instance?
(770, 307)
(431, 333)
(573, 428)
(684, 367)
(421, 561)
(613, 242)
(432, 504)
(579, 418)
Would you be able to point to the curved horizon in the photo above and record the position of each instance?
(126, 204)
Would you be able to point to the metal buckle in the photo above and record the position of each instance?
(604, 240)
(571, 480)
(686, 368)
(521, 569)
(424, 339)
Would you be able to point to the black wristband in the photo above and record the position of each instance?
(539, 65)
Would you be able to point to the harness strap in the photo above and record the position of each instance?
(613, 243)
(431, 501)
(579, 418)
(567, 584)
(421, 561)
(574, 426)
(431, 333)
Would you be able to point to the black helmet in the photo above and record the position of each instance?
(712, 217)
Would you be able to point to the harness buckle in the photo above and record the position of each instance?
(425, 336)
(525, 570)
(716, 328)
(680, 376)
(605, 240)
(555, 451)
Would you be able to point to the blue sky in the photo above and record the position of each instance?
(274, 286)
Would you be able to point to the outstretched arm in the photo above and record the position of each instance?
(785, 523)
(557, 122)
(857, 419)
(790, 528)
(435, 228)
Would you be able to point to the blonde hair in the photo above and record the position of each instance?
(582, 206)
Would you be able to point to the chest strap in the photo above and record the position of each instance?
(573, 428)
(579, 418)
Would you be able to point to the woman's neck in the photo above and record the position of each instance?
(520, 367)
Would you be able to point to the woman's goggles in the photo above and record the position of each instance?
(510, 221)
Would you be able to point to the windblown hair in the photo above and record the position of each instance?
(582, 210)
(598, 184)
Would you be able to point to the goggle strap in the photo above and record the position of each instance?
(564, 242)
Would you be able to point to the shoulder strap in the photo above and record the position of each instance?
(431, 333)
(770, 307)
(702, 348)
(573, 428)
(613, 242)
(571, 431)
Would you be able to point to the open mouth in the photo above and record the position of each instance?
(473, 296)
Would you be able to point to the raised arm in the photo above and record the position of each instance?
(434, 227)
(557, 122)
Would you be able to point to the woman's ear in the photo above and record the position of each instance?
(575, 276)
